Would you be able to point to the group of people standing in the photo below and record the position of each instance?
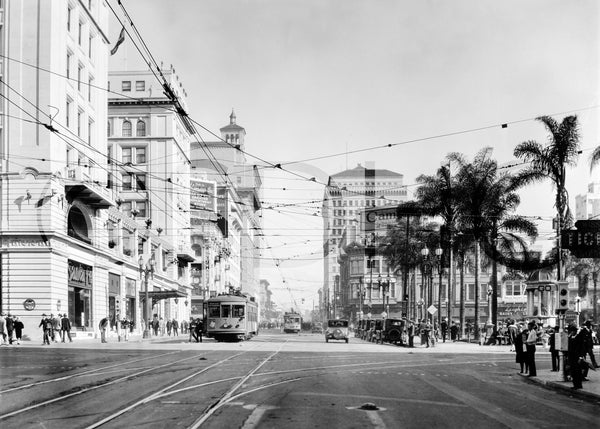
(10, 326)
(54, 327)
(580, 347)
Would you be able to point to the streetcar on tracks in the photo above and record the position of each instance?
(292, 322)
(231, 317)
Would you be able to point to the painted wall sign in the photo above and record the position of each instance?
(80, 274)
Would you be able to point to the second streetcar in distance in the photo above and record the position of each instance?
(292, 322)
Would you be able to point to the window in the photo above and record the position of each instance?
(140, 85)
(79, 74)
(69, 56)
(126, 129)
(109, 131)
(126, 207)
(90, 84)
(126, 86)
(79, 32)
(514, 288)
(127, 242)
(68, 113)
(79, 119)
(140, 155)
(69, 15)
(90, 45)
(140, 128)
(126, 155)
(141, 208)
(90, 132)
(126, 180)
(140, 182)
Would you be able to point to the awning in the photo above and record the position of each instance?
(185, 257)
(156, 296)
(87, 193)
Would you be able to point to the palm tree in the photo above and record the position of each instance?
(488, 197)
(436, 197)
(551, 161)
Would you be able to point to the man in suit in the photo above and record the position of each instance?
(65, 328)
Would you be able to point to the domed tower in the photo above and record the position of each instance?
(233, 133)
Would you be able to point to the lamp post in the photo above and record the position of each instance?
(426, 273)
(490, 291)
(146, 273)
(438, 255)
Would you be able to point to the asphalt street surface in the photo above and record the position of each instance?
(276, 381)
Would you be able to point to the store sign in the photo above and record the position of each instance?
(29, 304)
(380, 218)
(202, 195)
(583, 242)
(80, 274)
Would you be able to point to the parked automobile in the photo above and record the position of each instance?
(337, 329)
(317, 329)
(393, 331)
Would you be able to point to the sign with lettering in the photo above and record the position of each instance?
(203, 195)
(29, 304)
(80, 275)
(583, 242)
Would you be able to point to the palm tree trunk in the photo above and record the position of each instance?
(495, 295)
(462, 298)
(476, 325)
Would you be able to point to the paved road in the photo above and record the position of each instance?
(276, 381)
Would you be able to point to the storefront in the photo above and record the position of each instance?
(80, 295)
(114, 298)
(130, 300)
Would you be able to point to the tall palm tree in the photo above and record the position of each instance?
(488, 198)
(551, 161)
(436, 196)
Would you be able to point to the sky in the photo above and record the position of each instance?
(341, 79)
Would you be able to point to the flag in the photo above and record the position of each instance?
(120, 40)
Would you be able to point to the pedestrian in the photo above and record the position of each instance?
(411, 333)
(175, 328)
(18, 329)
(530, 344)
(425, 331)
(454, 332)
(576, 356)
(444, 326)
(118, 327)
(46, 326)
(512, 333)
(184, 326)
(554, 354)
(169, 326)
(193, 335)
(587, 335)
(155, 325)
(3, 328)
(55, 321)
(162, 327)
(199, 329)
(103, 325)
(10, 327)
(65, 328)
(520, 350)
(125, 328)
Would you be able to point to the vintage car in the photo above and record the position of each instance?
(393, 331)
(317, 328)
(375, 331)
(337, 329)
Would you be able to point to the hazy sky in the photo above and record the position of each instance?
(310, 78)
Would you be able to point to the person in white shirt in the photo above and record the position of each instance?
(531, 340)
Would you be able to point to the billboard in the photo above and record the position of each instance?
(203, 195)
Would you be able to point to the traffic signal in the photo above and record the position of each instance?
(563, 297)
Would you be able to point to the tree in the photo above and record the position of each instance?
(488, 198)
(551, 161)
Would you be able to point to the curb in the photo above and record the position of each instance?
(552, 385)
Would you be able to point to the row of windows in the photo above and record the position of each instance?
(127, 128)
(140, 85)
(359, 203)
(81, 27)
(82, 127)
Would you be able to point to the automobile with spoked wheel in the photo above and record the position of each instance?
(393, 331)
(337, 329)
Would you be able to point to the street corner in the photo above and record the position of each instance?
(554, 381)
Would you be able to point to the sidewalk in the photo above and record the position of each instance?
(554, 380)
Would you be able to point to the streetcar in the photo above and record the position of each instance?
(231, 317)
(292, 322)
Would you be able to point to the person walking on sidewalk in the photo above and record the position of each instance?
(103, 325)
(520, 350)
(192, 330)
(530, 345)
(3, 328)
(18, 329)
(175, 328)
(199, 329)
(10, 327)
(444, 326)
(65, 328)
(554, 354)
(588, 338)
(46, 326)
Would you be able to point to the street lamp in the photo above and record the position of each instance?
(146, 273)
(426, 277)
(438, 255)
(490, 291)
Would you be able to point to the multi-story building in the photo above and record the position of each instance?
(346, 195)
(148, 149)
(587, 205)
(238, 202)
(55, 254)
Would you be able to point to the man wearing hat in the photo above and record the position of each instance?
(530, 344)
(3, 328)
(10, 328)
(588, 341)
(46, 326)
(65, 328)
(575, 356)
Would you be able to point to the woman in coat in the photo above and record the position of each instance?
(521, 356)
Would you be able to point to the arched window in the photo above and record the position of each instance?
(77, 226)
(140, 128)
(126, 129)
